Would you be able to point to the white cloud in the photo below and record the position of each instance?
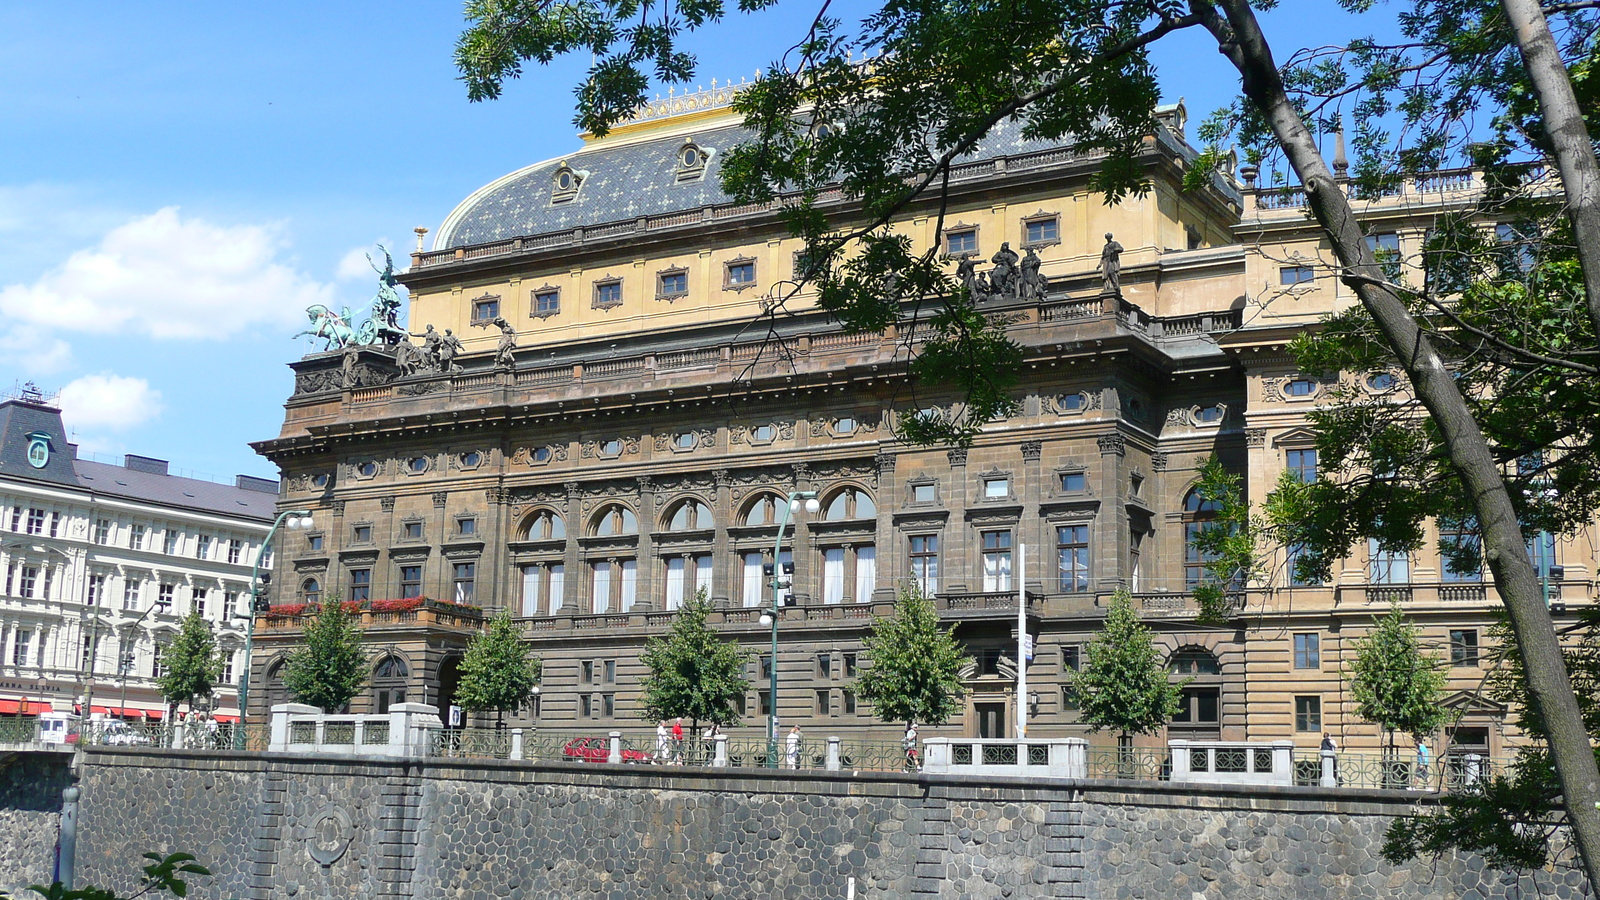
(109, 401)
(168, 277)
(29, 348)
(353, 266)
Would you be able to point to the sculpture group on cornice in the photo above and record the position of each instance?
(1012, 278)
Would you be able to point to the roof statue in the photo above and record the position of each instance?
(334, 328)
(505, 356)
(386, 305)
(1111, 266)
(382, 325)
(1012, 277)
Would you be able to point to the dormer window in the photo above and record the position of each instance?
(692, 161)
(564, 185)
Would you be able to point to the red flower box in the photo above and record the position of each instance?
(286, 611)
(404, 605)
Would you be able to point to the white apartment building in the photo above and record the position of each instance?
(100, 563)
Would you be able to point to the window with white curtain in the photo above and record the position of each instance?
(602, 586)
(757, 584)
(541, 588)
(849, 573)
(996, 561)
(615, 585)
(685, 576)
(556, 586)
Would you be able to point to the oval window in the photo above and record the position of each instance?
(319, 480)
(1070, 402)
(541, 454)
(611, 448)
(471, 459)
(845, 425)
(691, 157)
(824, 130)
(368, 469)
(1300, 387)
(762, 433)
(686, 441)
(1208, 414)
(1382, 381)
(564, 180)
(418, 464)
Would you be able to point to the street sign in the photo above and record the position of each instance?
(1027, 647)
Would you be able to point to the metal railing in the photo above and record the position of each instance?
(1131, 764)
(1455, 772)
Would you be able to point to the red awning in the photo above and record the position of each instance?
(10, 706)
(153, 713)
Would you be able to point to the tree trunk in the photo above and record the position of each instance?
(1239, 38)
(1569, 137)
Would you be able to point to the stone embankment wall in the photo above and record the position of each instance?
(300, 827)
(30, 817)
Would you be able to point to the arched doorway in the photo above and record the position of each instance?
(449, 679)
(390, 679)
(1199, 715)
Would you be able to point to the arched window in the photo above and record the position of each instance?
(277, 692)
(311, 591)
(613, 520)
(690, 515)
(1194, 661)
(389, 678)
(1198, 511)
(1200, 705)
(543, 525)
(763, 510)
(851, 503)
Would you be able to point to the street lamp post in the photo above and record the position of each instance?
(791, 505)
(125, 656)
(299, 519)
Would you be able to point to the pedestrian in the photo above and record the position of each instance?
(1328, 746)
(792, 754)
(913, 759)
(662, 737)
(677, 742)
(1424, 760)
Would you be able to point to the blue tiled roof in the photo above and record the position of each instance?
(627, 181)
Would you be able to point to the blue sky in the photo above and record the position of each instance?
(179, 180)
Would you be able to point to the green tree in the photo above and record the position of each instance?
(1395, 684)
(163, 875)
(191, 665)
(914, 666)
(939, 77)
(496, 672)
(1124, 684)
(694, 673)
(329, 667)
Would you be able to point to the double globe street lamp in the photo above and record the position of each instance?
(795, 501)
(297, 520)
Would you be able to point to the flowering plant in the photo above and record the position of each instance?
(286, 611)
(403, 605)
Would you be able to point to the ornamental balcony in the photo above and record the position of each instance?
(379, 615)
(979, 606)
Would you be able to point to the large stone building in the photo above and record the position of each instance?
(101, 563)
(638, 442)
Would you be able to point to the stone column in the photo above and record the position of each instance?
(648, 577)
(576, 587)
(493, 562)
(892, 550)
(384, 576)
(806, 580)
(957, 567)
(726, 571)
(1032, 529)
(1109, 535)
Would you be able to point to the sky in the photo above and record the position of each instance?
(179, 181)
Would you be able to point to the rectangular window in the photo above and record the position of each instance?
(313, 542)
(996, 561)
(672, 284)
(199, 601)
(1074, 482)
(608, 669)
(757, 583)
(925, 563)
(230, 602)
(202, 547)
(608, 705)
(486, 310)
(227, 669)
(1308, 651)
(44, 582)
(1199, 706)
(1386, 252)
(1295, 275)
(546, 303)
(361, 534)
(55, 524)
(586, 706)
(1072, 555)
(164, 598)
(764, 703)
(411, 531)
(464, 575)
(608, 293)
(19, 651)
(1387, 566)
(136, 540)
(102, 531)
(360, 584)
(36, 521)
(849, 702)
(1308, 714)
(764, 666)
(849, 664)
(996, 488)
(824, 707)
(30, 577)
(467, 527)
(1070, 658)
(97, 589)
(1464, 647)
(1293, 554)
(924, 493)
(130, 594)
(586, 672)
(1196, 569)
(741, 274)
(1303, 465)
(16, 518)
(687, 575)
(410, 581)
(87, 655)
(1461, 549)
(236, 549)
(963, 241)
(169, 543)
(824, 665)
(1041, 231)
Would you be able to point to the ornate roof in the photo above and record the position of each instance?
(620, 181)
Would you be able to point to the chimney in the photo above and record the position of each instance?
(147, 464)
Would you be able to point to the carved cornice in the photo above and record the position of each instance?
(1113, 444)
(1031, 450)
(1255, 437)
(439, 499)
(957, 456)
(387, 503)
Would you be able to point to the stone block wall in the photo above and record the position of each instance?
(30, 816)
(299, 827)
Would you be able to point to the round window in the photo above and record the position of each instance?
(1300, 387)
(611, 448)
(418, 464)
(319, 480)
(564, 181)
(471, 459)
(1070, 402)
(541, 454)
(1381, 381)
(1209, 414)
(691, 156)
(686, 441)
(762, 432)
(367, 469)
